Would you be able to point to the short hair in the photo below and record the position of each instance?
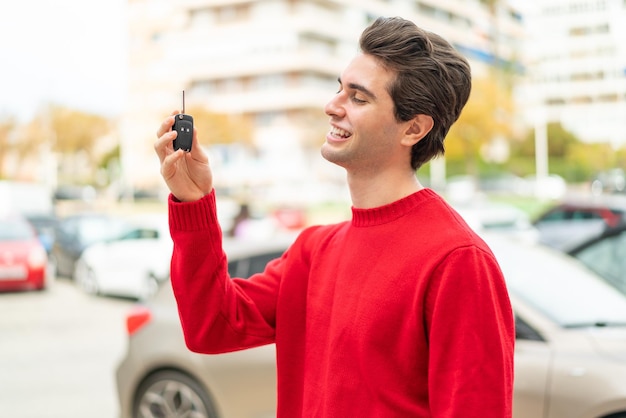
(432, 78)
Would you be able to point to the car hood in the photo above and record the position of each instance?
(610, 341)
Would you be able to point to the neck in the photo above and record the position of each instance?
(367, 192)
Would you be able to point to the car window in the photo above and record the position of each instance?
(140, 233)
(571, 215)
(248, 266)
(523, 331)
(15, 230)
(554, 216)
(584, 215)
(95, 230)
(607, 257)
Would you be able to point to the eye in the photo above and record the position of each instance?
(357, 100)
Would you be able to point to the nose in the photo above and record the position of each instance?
(335, 107)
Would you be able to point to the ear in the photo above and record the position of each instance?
(418, 128)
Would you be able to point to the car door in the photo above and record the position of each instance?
(532, 370)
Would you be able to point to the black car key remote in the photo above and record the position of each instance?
(183, 124)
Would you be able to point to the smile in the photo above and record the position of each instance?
(340, 133)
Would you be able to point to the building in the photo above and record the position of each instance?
(275, 64)
(576, 56)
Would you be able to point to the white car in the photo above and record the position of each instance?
(133, 265)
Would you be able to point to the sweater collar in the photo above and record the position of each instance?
(390, 212)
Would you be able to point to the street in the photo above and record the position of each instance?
(58, 353)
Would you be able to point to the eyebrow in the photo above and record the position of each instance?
(361, 88)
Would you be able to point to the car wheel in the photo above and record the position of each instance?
(172, 394)
(86, 278)
(150, 287)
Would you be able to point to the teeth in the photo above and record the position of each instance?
(340, 132)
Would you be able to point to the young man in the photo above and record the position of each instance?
(401, 311)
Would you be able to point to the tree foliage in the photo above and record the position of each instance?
(7, 126)
(568, 156)
(486, 118)
(76, 131)
(220, 128)
(73, 136)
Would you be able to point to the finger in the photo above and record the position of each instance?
(197, 152)
(166, 125)
(164, 144)
(169, 164)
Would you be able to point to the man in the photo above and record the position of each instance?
(401, 311)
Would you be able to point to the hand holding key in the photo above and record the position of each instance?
(185, 170)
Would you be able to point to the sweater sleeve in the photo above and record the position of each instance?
(216, 313)
(471, 337)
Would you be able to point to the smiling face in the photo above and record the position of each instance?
(365, 134)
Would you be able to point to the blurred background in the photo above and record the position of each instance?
(539, 151)
(86, 85)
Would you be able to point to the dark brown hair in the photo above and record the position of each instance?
(432, 78)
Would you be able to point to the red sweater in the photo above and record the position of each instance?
(400, 312)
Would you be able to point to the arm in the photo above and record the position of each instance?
(471, 336)
(216, 313)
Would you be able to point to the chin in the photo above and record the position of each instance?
(333, 155)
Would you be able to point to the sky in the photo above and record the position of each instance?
(69, 52)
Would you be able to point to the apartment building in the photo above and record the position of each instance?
(274, 64)
(576, 56)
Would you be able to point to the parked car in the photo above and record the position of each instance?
(23, 259)
(606, 256)
(570, 355)
(160, 374)
(76, 232)
(44, 225)
(484, 216)
(575, 220)
(609, 181)
(132, 265)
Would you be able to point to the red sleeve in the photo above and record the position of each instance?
(471, 337)
(216, 314)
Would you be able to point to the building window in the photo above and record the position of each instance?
(317, 80)
(316, 43)
(264, 119)
(269, 81)
(608, 98)
(232, 13)
(201, 17)
(589, 30)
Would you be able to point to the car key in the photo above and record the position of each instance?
(183, 124)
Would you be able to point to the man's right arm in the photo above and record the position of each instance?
(215, 313)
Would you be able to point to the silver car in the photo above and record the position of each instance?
(570, 358)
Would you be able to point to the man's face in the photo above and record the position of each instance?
(364, 133)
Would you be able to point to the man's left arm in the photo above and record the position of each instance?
(471, 338)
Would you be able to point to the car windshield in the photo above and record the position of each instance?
(12, 229)
(561, 288)
(101, 229)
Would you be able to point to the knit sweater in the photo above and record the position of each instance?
(400, 312)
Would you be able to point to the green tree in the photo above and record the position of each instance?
(568, 156)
